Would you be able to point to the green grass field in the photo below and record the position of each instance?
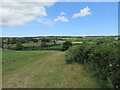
(43, 69)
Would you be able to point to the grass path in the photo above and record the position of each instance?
(49, 72)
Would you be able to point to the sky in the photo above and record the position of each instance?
(21, 19)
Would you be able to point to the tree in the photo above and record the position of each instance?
(29, 38)
(22, 40)
(43, 44)
(9, 41)
(55, 42)
(66, 45)
(35, 40)
(118, 38)
(13, 41)
(2, 43)
(45, 40)
(19, 46)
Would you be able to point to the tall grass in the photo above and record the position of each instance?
(14, 59)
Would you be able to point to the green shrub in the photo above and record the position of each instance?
(19, 46)
(103, 57)
(66, 45)
(43, 44)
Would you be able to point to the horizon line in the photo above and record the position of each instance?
(60, 35)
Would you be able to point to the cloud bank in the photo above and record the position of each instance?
(20, 13)
(17, 13)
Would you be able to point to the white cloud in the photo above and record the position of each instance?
(45, 21)
(48, 1)
(62, 13)
(61, 18)
(19, 13)
(83, 12)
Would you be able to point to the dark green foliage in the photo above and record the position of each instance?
(9, 41)
(35, 40)
(19, 46)
(45, 40)
(13, 41)
(43, 44)
(8, 47)
(22, 40)
(103, 58)
(55, 43)
(57, 47)
(2, 43)
(118, 38)
(66, 45)
(28, 38)
(99, 42)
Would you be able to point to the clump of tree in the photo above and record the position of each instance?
(13, 41)
(66, 45)
(2, 43)
(9, 41)
(19, 46)
(35, 40)
(22, 40)
(43, 44)
(45, 40)
(55, 42)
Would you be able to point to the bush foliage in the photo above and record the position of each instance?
(102, 57)
(66, 45)
(19, 46)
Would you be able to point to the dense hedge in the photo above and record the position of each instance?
(102, 57)
(47, 47)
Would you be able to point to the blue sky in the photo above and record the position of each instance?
(101, 18)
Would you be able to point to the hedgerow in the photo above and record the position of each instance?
(103, 58)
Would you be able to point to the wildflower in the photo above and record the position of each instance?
(110, 65)
(116, 86)
(117, 65)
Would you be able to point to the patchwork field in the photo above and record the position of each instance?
(60, 62)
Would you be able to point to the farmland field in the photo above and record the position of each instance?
(85, 62)
(60, 44)
(43, 69)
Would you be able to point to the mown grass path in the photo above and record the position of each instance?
(49, 72)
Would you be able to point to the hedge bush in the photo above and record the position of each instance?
(103, 57)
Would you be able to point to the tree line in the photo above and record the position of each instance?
(43, 43)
